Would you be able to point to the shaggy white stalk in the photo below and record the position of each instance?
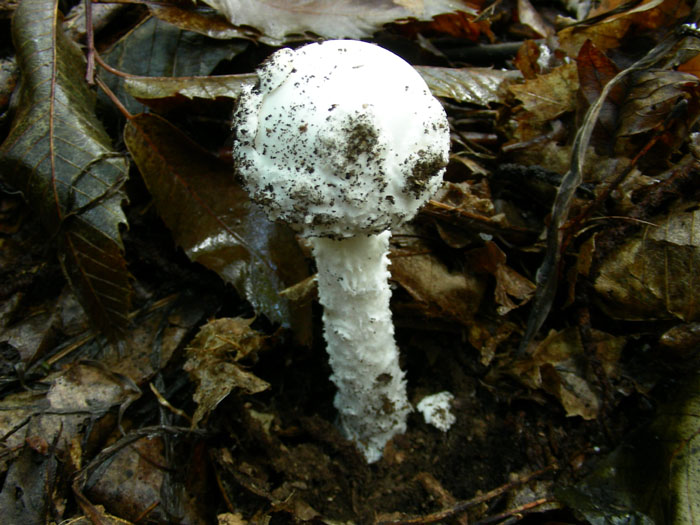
(343, 141)
(354, 291)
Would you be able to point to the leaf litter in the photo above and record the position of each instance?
(548, 287)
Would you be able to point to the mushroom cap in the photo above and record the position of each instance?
(340, 138)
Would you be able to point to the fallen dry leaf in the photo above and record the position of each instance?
(654, 275)
(550, 95)
(212, 362)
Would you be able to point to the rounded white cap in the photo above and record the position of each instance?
(340, 138)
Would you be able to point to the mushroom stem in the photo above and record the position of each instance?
(354, 291)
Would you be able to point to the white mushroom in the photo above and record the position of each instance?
(343, 141)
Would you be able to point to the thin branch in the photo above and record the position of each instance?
(463, 506)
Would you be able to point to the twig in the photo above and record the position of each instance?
(104, 87)
(515, 514)
(90, 41)
(462, 506)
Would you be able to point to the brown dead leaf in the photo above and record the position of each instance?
(336, 19)
(692, 66)
(603, 35)
(28, 487)
(548, 96)
(527, 59)
(440, 292)
(654, 275)
(595, 70)
(81, 393)
(509, 283)
(212, 362)
(529, 16)
(475, 85)
(653, 96)
(460, 24)
(486, 335)
(557, 366)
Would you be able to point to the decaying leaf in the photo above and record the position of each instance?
(81, 393)
(136, 477)
(529, 16)
(654, 275)
(509, 283)
(192, 18)
(213, 357)
(557, 366)
(58, 154)
(549, 95)
(213, 220)
(654, 477)
(453, 295)
(327, 18)
(27, 489)
(652, 98)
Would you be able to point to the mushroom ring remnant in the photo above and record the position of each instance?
(343, 141)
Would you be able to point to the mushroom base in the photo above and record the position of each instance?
(354, 291)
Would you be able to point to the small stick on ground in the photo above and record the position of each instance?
(462, 506)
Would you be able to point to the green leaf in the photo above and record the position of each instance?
(213, 220)
(59, 156)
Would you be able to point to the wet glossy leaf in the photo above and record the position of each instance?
(150, 90)
(170, 52)
(212, 218)
(213, 364)
(193, 18)
(480, 86)
(60, 157)
(654, 275)
(327, 18)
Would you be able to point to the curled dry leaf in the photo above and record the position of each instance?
(510, 284)
(212, 362)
